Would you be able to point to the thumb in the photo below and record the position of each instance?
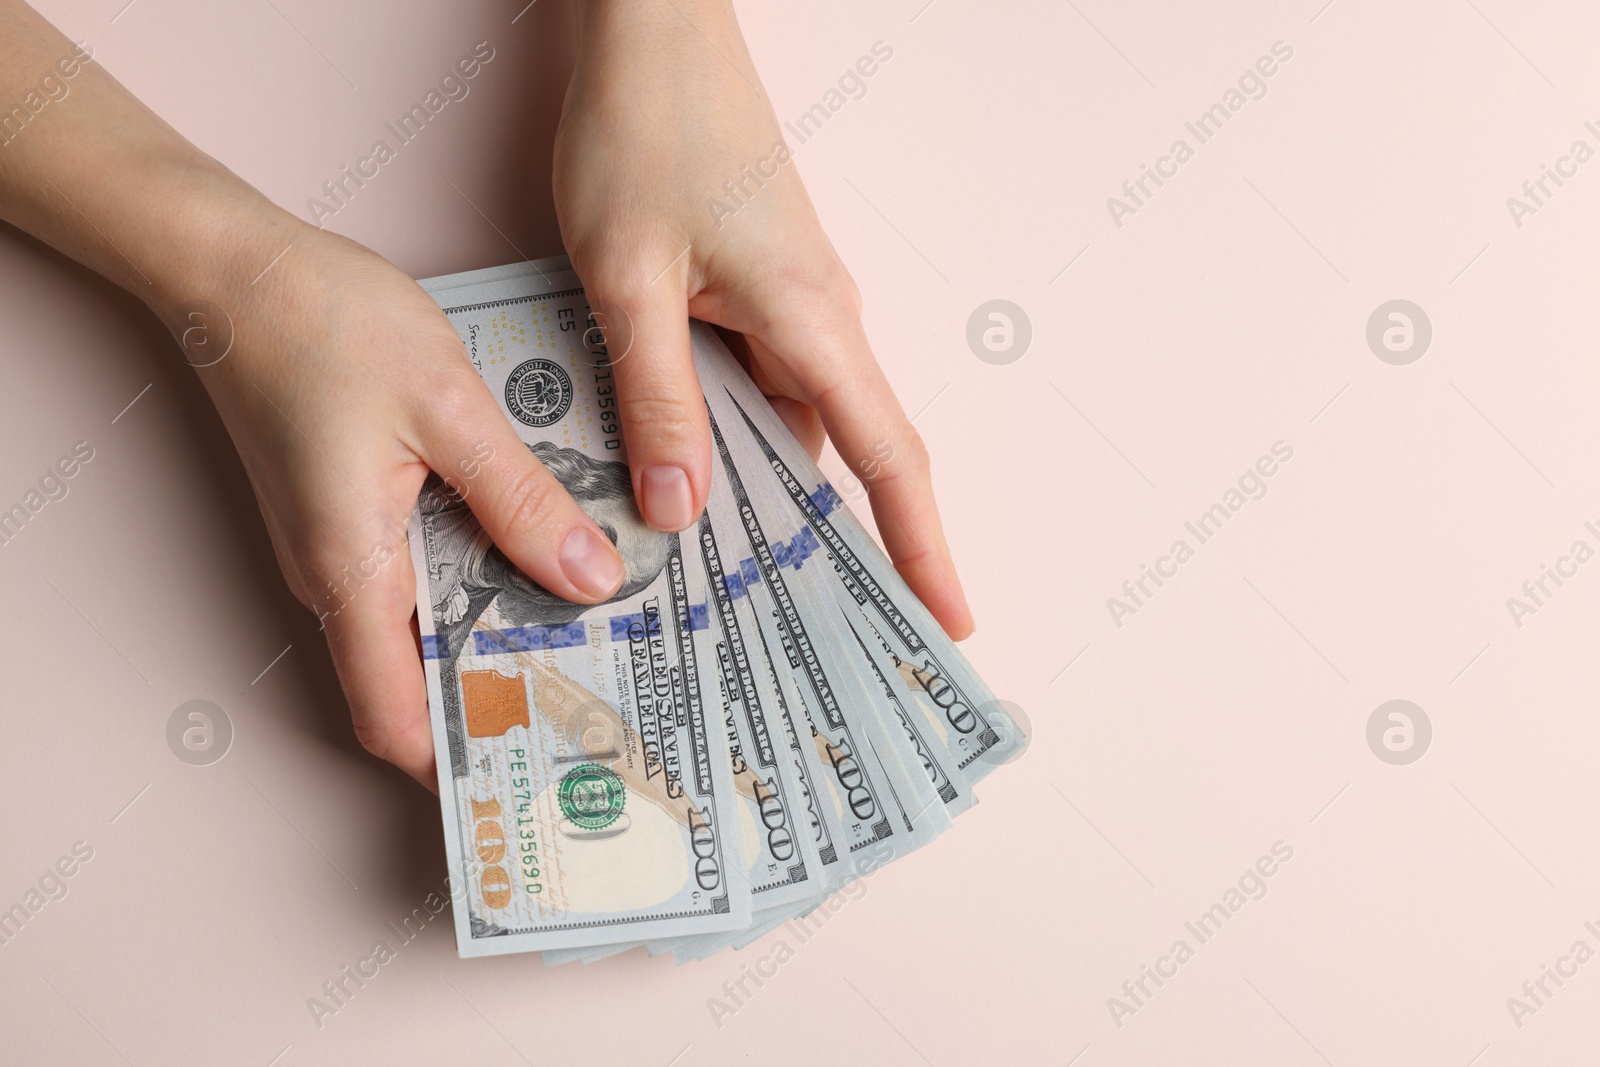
(524, 509)
(662, 408)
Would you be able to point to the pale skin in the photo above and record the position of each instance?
(345, 384)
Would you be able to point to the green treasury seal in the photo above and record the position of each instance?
(591, 796)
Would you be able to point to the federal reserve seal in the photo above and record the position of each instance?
(591, 796)
(538, 392)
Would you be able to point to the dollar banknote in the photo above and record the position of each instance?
(762, 714)
(777, 820)
(958, 714)
(584, 767)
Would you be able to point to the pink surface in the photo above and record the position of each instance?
(1227, 714)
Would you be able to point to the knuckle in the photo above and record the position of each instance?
(909, 458)
(822, 287)
(376, 737)
(617, 276)
(915, 450)
(396, 739)
(617, 286)
(298, 575)
(453, 402)
(330, 575)
(528, 501)
(843, 292)
(657, 413)
(319, 573)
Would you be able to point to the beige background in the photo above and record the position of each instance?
(1228, 714)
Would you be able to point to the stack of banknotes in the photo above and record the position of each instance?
(763, 713)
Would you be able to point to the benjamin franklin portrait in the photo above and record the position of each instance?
(471, 573)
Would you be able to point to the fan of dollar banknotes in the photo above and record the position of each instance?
(763, 712)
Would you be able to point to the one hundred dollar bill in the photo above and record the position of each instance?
(584, 770)
(959, 717)
(871, 788)
(762, 714)
(862, 782)
(776, 821)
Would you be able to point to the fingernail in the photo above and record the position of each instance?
(666, 499)
(590, 563)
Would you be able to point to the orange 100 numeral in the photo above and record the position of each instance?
(495, 884)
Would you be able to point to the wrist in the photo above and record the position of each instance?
(206, 236)
(632, 24)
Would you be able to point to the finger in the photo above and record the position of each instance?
(803, 421)
(663, 411)
(372, 637)
(875, 439)
(468, 441)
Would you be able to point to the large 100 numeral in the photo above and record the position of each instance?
(495, 884)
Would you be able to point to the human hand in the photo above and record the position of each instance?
(663, 110)
(345, 384)
(338, 378)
